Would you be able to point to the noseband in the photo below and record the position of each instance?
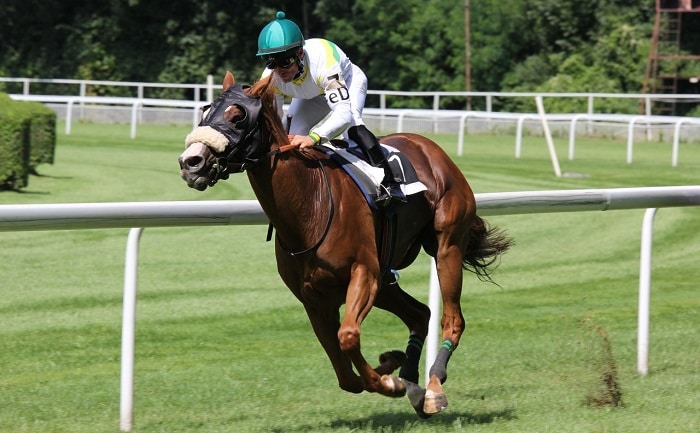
(244, 147)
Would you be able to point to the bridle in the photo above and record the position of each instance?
(245, 146)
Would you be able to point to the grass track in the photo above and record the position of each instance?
(222, 346)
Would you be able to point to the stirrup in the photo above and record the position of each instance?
(396, 192)
(391, 192)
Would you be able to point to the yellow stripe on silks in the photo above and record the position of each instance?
(332, 54)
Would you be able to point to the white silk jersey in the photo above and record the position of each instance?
(328, 72)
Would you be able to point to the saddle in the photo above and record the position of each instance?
(349, 156)
(368, 178)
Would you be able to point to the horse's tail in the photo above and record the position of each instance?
(485, 245)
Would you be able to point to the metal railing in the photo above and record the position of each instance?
(138, 90)
(380, 118)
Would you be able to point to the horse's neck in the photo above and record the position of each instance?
(290, 190)
(292, 195)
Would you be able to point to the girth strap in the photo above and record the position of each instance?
(387, 239)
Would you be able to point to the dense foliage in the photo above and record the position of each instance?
(27, 139)
(409, 45)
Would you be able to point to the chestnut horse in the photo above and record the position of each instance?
(329, 240)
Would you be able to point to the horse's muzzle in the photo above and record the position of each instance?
(197, 167)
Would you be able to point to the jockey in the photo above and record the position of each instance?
(321, 80)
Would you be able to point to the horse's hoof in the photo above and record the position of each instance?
(434, 403)
(416, 396)
(435, 398)
(395, 385)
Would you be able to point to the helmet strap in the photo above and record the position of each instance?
(300, 62)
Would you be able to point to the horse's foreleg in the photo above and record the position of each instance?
(359, 299)
(325, 326)
(415, 315)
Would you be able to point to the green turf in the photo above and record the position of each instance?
(222, 346)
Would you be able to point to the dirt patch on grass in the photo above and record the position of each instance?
(605, 390)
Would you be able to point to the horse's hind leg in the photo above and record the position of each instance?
(451, 225)
(449, 270)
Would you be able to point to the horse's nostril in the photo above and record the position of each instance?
(191, 162)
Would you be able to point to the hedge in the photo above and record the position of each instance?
(27, 139)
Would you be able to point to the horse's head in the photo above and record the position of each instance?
(227, 140)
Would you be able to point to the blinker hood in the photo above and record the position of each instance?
(244, 141)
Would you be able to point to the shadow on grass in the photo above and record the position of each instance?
(22, 192)
(39, 175)
(8, 190)
(49, 176)
(400, 422)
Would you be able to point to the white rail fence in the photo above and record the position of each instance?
(135, 105)
(82, 86)
(213, 85)
(383, 119)
(631, 124)
(242, 212)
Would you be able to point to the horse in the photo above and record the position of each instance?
(330, 244)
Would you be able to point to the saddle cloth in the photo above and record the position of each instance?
(369, 178)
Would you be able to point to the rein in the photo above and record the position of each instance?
(282, 149)
(239, 137)
(331, 210)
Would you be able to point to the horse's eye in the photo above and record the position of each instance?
(205, 111)
(237, 116)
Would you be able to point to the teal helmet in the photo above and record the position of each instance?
(279, 36)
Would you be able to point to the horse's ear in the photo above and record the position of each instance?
(229, 80)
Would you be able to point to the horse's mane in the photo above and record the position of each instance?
(265, 90)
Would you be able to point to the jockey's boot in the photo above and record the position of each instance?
(391, 186)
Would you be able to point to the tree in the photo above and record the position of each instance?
(409, 45)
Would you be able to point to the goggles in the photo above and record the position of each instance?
(284, 61)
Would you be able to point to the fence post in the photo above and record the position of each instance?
(644, 293)
(210, 88)
(548, 136)
(126, 400)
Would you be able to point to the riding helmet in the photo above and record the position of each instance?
(279, 36)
